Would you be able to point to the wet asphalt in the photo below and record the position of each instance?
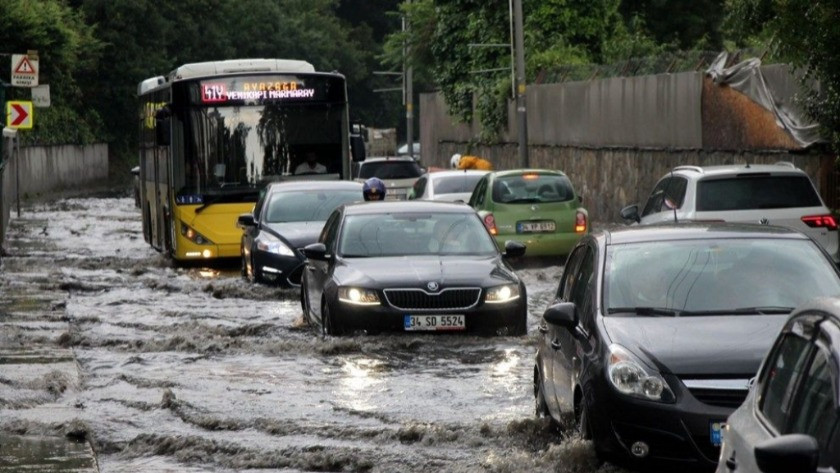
(110, 349)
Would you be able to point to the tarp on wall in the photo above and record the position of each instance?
(748, 78)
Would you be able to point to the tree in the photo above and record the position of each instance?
(804, 33)
(67, 50)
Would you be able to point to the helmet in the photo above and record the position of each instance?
(456, 158)
(374, 189)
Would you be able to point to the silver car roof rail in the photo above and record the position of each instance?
(689, 168)
(785, 163)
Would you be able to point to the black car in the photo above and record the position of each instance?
(411, 266)
(657, 331)
(287, 217)
(791, 420)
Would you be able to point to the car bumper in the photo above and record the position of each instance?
(676, 434)
(488, 319)
(277, 269)
(546, 244)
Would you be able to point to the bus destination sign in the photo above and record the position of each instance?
(220, 92)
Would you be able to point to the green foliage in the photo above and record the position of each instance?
(804, 33)
(67, 50)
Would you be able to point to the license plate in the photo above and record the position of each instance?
(434, 322)
(715, 429)
(536, 227)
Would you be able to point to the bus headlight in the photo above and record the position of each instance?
(271, 244)
(358, 296)
(190, 234)
(502, 294)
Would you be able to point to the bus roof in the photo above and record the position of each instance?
(237, 66)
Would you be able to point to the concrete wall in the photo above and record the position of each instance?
(50, 168)
(616, 137)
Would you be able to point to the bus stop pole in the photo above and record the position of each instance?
(16, 148)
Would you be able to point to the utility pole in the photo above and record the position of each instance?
(521, 113)
(408, 98)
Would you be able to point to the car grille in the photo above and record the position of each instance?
(731, 398)
(447, 299)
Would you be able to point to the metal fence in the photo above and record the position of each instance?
(679, 61)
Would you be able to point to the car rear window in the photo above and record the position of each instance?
(531, 188)
(456, 184)
(756, 192)
(390, 170)
(307, 206)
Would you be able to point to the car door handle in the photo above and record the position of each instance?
(556, 344)
(731, 463)
(543, 329)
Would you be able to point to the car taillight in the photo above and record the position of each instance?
(821, 221)
(490, 223)
(580, 222)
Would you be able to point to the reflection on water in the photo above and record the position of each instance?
(359, 382)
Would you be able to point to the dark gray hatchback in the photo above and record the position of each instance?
(657, 331)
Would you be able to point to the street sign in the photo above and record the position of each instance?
(19, 115)
(24, 70)
(41, 96)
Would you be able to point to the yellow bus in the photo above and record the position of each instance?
(213, 134)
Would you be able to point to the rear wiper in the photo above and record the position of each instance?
(647, 311)
(764, 310)
(522, 200)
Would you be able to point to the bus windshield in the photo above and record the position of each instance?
(240, 133)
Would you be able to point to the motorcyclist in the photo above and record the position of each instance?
(374, 189)
(470, 162)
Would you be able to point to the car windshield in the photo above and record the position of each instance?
(456, 184)
(756, 192)
(411, 233)
(716, 276)
(390, 170)
(307, 206)
(531, 188)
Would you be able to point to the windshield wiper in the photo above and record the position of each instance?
(764, 310)
(646, 311)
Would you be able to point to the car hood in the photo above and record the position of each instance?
(724, 346)
(298, 234)
(418, 271)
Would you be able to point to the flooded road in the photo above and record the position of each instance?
(197, 370)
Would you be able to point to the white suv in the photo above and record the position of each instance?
(777, 194)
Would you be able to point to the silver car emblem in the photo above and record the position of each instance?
(432, 286)
(764, 221)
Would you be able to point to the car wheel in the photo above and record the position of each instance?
(329, 323)
(521, 327)
(582, 420)
(303, 305)
(255, 272)
(541, 408)
(244, 269)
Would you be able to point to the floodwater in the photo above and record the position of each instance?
(197, 370)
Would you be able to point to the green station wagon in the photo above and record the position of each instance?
(537, 207)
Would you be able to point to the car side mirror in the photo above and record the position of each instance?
(514, 249)
(316, 251)
(788, 453)
(245, 221)
(562, 314)
(631, 212)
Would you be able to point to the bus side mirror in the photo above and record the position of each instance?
(162, 126)
(357, 147)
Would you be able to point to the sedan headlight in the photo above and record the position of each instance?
(629, 376)
(271, 244)
(358, 296)
(193, 235)
(502, 294)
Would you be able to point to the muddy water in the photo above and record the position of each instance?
(196, 370)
